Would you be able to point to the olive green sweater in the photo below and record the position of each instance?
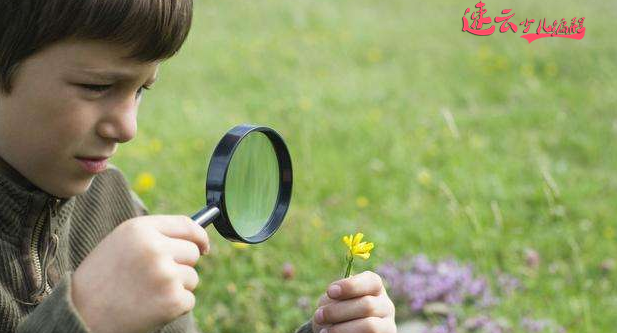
(42, 241)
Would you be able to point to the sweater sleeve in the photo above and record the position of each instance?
(56, 314)
(306, 328)
(183, 324)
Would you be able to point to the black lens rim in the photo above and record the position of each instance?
(217, 173)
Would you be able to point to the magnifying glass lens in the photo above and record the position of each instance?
(248, 187)
(252, 184)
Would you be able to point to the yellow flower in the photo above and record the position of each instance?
(317, 222)
(527, 70)
(501, 63)
(145, 182)
(238, 245)
(374, 115)
(374, 55)
(155, 146)
(477, 142)
(609, 233)
(551, 69)
(358, 248)
(424, 177)
(362, 201)
(305, 104)
(484, 53)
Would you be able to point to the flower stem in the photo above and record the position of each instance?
(349, 264)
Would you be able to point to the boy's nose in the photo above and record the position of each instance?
(120, 123)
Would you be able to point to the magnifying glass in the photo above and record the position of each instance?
(248, 185)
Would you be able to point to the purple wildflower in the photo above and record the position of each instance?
(540, 326)
(484, 324)
(438, 290)
(439, 329)
(508, 284)
(423, 282)
(304, 303)
(532, 258)
(607, 265)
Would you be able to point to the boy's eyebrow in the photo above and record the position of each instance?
(115, 76)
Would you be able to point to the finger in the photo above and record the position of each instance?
(187, 302)
(324, 299)
(182, 251)
(366, 283)
(364, 325)
(188, 276)
(362, 307)
(178, 226)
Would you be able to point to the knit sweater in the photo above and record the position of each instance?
(42, 241)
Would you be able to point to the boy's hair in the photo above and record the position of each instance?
(151, 29)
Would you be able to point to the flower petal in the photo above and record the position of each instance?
(346, 241)
(365, 247)
(358, 248)
(357, 238)
(364, 255)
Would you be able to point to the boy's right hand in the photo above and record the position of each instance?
(141, 275)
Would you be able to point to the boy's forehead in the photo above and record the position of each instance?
(106, 61)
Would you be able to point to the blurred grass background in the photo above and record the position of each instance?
(425, 138)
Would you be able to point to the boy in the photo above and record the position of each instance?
(78, 252)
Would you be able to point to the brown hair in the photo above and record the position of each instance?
(151, 29)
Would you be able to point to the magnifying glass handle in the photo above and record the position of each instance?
(205, 216)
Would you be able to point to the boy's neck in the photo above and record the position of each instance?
(10, 172)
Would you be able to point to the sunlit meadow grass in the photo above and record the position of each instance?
(403, 127)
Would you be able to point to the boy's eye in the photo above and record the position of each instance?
(105, 87)
(141, 90)
(96, 87)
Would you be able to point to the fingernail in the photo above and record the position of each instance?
(334, 291)
(323, 330)
(319, 315)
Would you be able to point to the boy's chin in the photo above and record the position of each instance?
(71, 189)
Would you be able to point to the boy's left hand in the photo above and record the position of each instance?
(358, 304)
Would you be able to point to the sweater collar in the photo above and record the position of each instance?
(11, 174)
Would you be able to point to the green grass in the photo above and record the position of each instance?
(362, 92)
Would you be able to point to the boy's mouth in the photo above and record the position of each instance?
(93, 164)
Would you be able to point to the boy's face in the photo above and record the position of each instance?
(69, 103)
